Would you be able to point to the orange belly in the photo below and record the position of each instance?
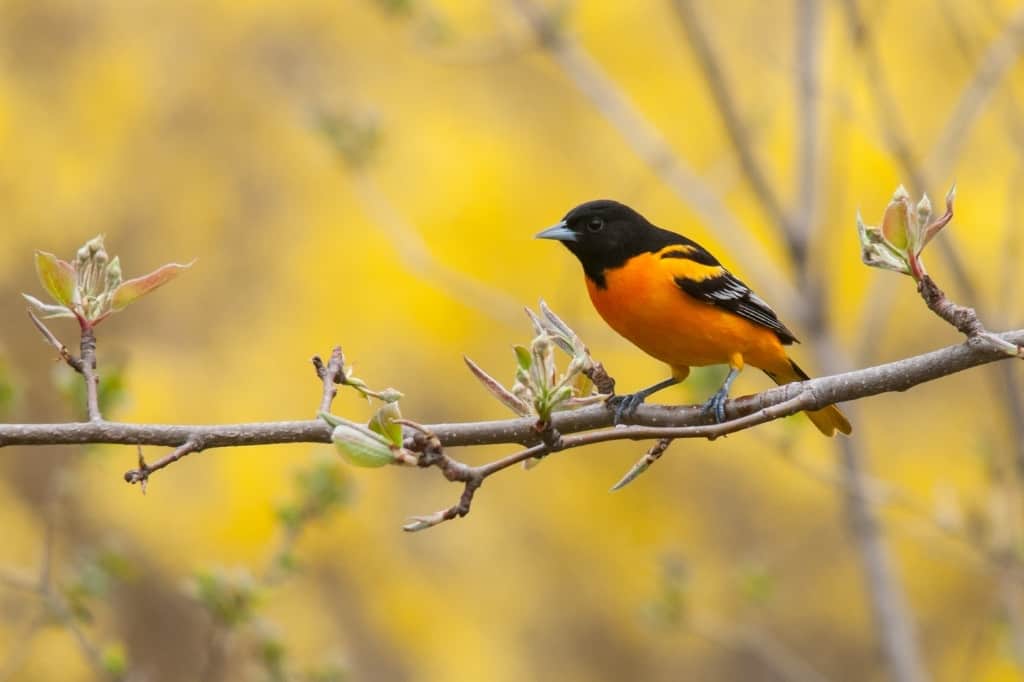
(665, 322)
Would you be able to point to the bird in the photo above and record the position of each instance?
(675, 301)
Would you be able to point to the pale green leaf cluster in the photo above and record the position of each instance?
(905, 230)
(540, 388)
(91, 288)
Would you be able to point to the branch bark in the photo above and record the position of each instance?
(92, 380)
(649, 421)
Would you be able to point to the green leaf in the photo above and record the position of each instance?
(559, 397)
(47, 310)
(57, 277)
(331, 419)
(130, 291)
(383, 422)
(523, 357)
(877, 252)
(897, 221)
(362, 448)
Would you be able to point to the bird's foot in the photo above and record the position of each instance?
(625, 405)
(716, 404)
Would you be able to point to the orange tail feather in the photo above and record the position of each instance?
(829, 419)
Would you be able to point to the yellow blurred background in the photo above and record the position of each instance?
(196, 129)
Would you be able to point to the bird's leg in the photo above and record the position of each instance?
(716, 403)
(625, 405)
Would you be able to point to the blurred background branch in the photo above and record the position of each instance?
(606, 96)
(195, 129)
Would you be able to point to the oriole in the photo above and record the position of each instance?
(674, 300)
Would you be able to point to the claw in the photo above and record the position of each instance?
(625, 405)
(716, 405)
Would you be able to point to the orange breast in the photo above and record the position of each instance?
(643, 303)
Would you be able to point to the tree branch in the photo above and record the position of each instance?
(62, 350)
(652, 422)
(331, 374)
(88, 370)
(963, 318)
(659, 419)
(141, 475)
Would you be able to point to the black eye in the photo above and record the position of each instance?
(595, 224)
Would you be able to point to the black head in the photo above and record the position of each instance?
(604, 234)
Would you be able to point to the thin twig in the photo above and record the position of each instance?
(62, 350)
(963, 318)
(418, 523)
(803, 400)
(650, 457)
(92, 380)
(331, 374)
(142, 473)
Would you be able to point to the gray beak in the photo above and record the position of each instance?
(560, 232)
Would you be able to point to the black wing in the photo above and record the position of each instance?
(729, 293)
